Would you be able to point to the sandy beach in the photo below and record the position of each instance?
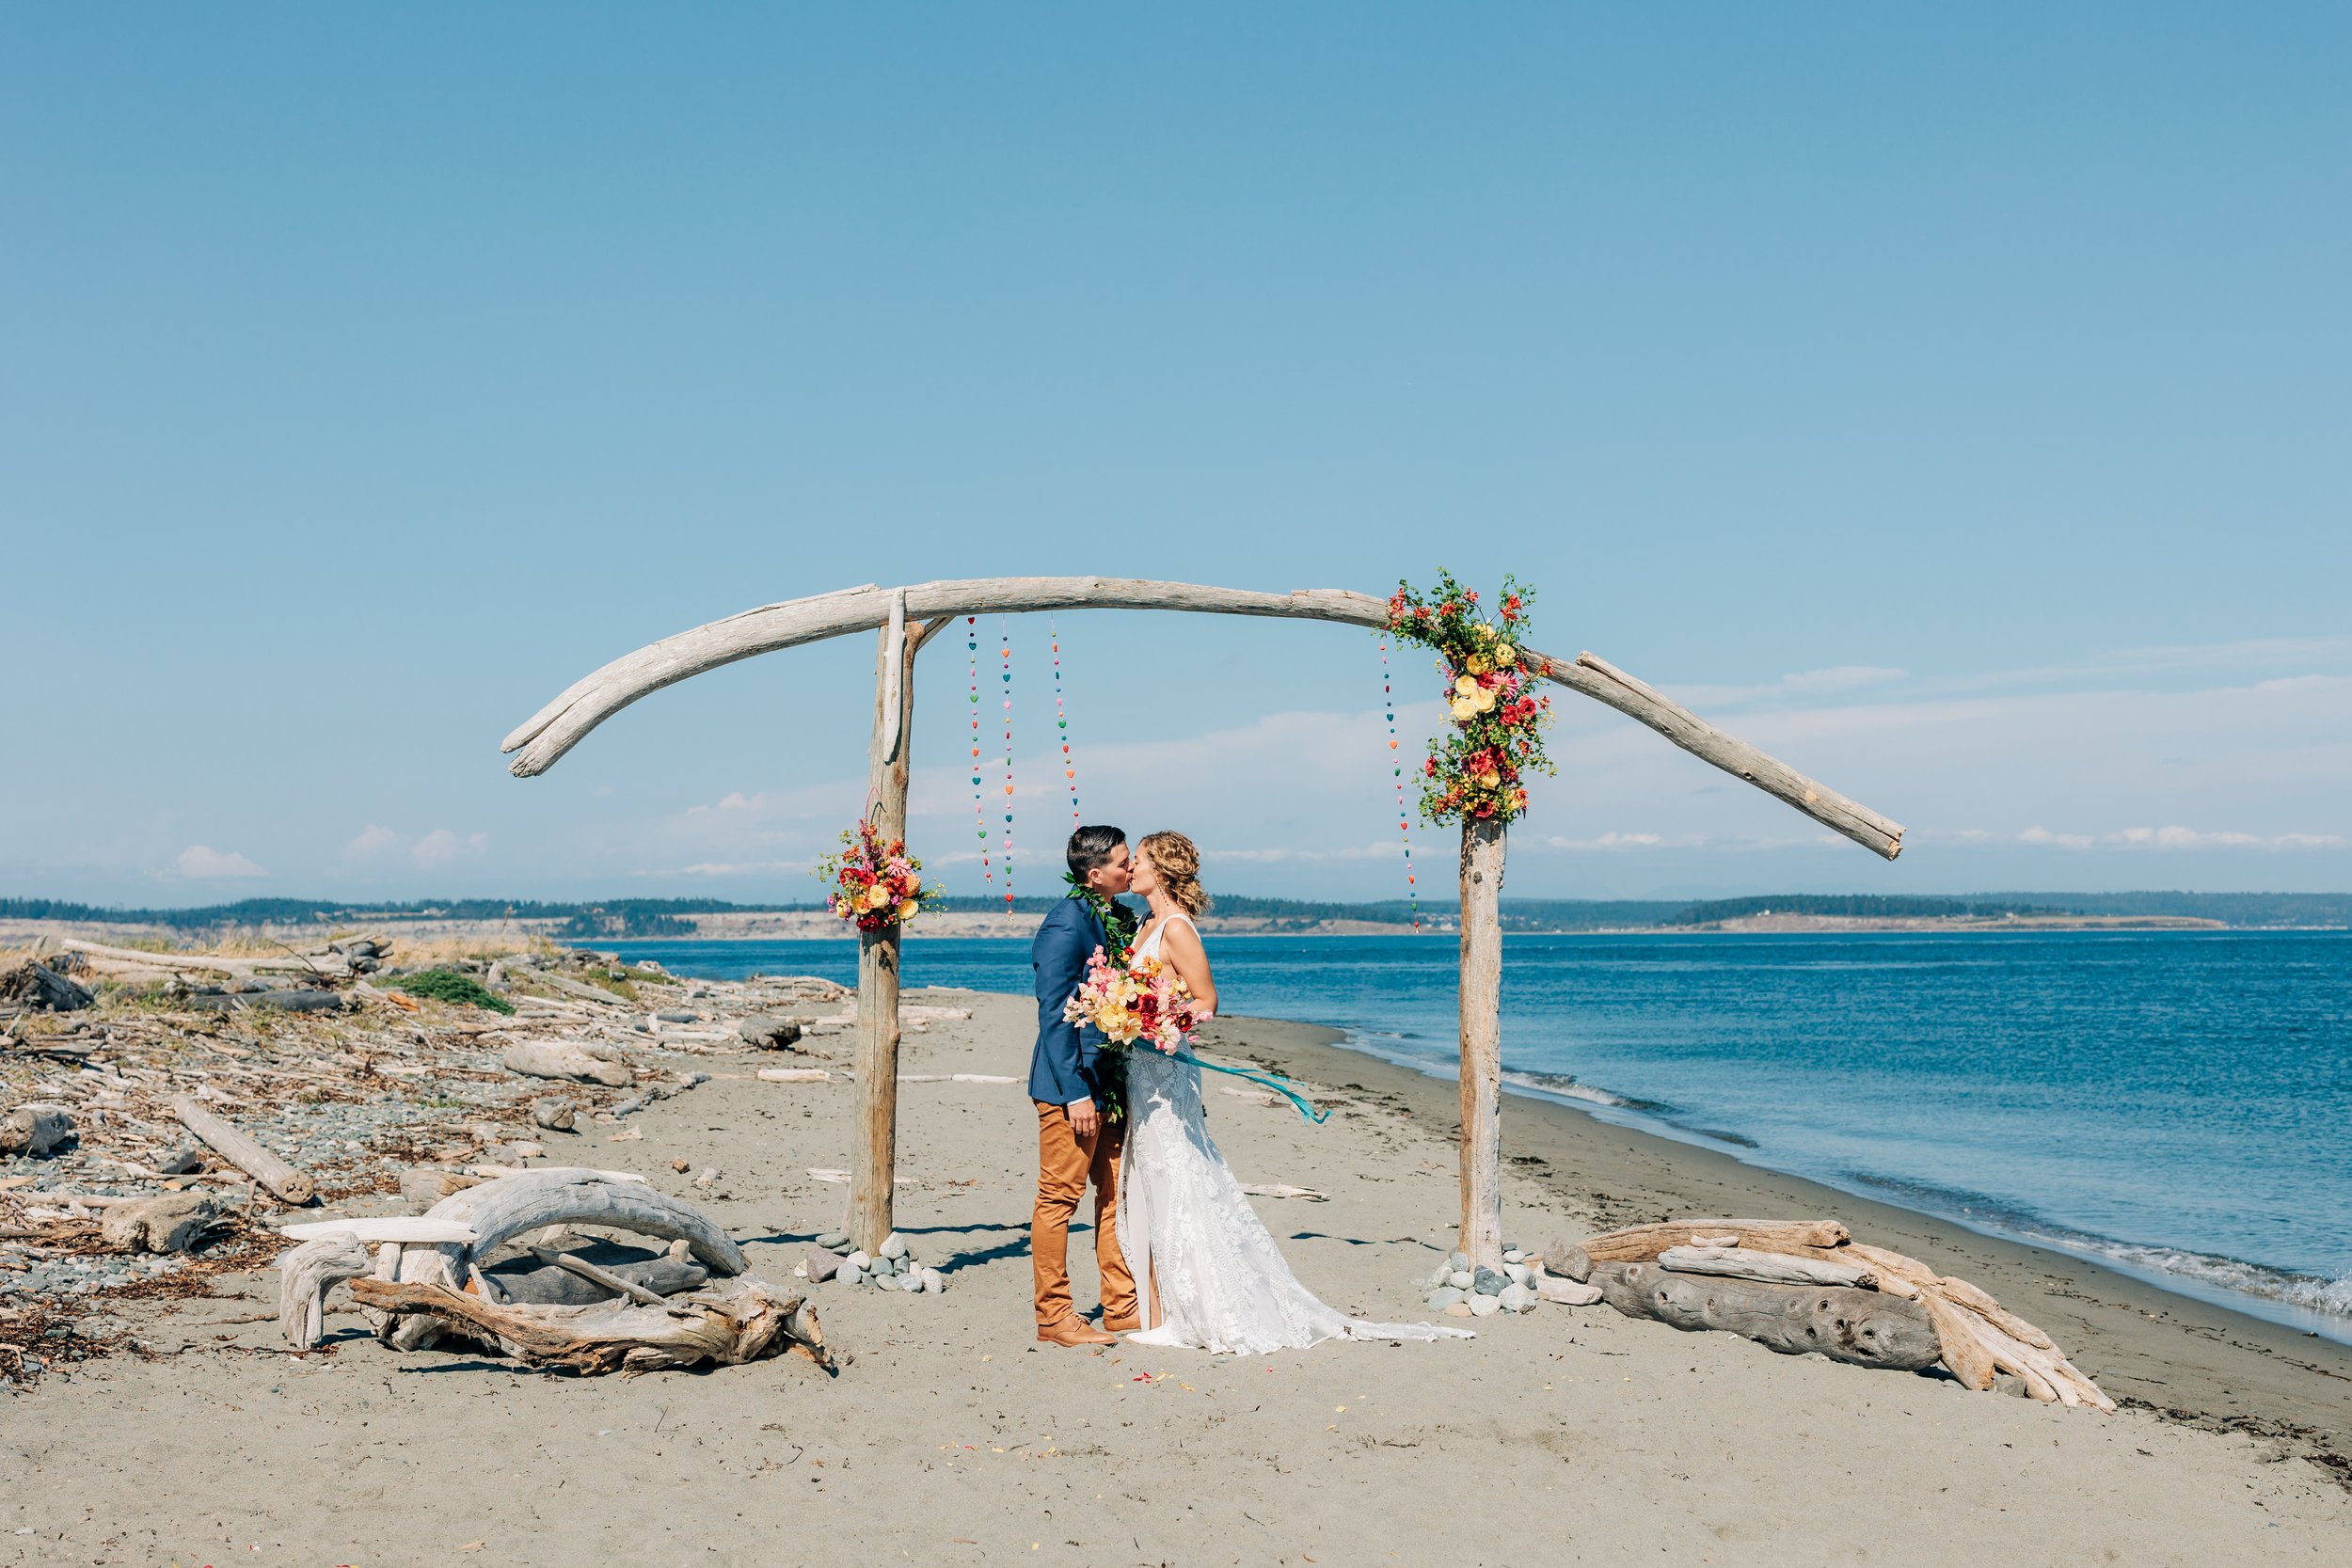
(950, 1436)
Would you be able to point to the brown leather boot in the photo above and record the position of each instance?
(1122, 1326)
(1073, 1332)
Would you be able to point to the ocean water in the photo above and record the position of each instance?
(2177, 1104)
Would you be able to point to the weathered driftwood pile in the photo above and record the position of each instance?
(497, 1267)
(156, 1108)
(1807, 1285)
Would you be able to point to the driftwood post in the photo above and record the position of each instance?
(872, 1174)
(1483, 845)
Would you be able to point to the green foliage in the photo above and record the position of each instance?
(447, 985)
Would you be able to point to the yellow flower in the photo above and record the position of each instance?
(1464, 708)
(914, 884)
(1466, 686)
(1485, 631)
(1488, 697)
(1476, 665)
(907, 908)
(876, 897)
(1505, 654)
(1490, 778)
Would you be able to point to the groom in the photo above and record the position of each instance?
(1066, 1072)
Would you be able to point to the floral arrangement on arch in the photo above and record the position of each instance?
(875, 885)
(1477, 772)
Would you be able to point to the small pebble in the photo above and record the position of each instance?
(1440, 1300)
(910, 1283)
(861, 1261)
(893, 1245)
(833, 1241)
(1519, 1274)
(1459, 1261)
(1516, 1298)
(1513, 1255)
(1461, 1279)
(1460, 1309)
(1488, 1283)
(934, 1283)
(1483, 1307)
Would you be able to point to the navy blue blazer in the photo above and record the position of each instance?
(1065, 1065)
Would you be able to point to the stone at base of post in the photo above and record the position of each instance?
(1483, 845)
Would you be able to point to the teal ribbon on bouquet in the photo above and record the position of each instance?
(1304, 1106)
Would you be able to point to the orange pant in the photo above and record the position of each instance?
(1065, 1163)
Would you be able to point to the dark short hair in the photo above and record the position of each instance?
(1090, 848)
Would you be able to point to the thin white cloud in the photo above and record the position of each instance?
(202, 862)
(441, 846)
(1803, 685)
(369, 842)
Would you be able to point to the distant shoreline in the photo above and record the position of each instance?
(816, 925)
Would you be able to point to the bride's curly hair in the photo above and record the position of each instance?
(1178, 863)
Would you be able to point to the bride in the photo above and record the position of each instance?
(1208, 1274)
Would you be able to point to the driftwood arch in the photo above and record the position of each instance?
(906, 617)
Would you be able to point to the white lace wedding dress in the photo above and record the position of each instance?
(1189, 1233)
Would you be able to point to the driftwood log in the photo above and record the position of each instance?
(1641, 1243)
(1769, 1268)
(534, 1283)
(1864, 1327)
(172, 1222)
(1977, 1339)
(576, 1063)
(35, 986)
(732, 1322)
(303, 1277)
(283, 1182)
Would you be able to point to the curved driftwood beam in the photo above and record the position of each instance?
(556, 728)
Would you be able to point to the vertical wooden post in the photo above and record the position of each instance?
(887, 761)
(1483, 845)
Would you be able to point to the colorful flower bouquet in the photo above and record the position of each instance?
(1146, 1003)
(875, 885)
(1476, 773)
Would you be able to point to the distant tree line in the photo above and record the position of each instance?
(670, 917)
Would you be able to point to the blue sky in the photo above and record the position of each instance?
(1953, 401)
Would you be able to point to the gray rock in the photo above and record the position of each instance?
(1488, 1283)
(859, 1262)
(175, 1222)
(1461, 1279)
(934, 1283)
(763, 1032)
(850, 1276)
(1459, 1261)
(1513, 1255)
(822, 1265)
(893, 1245)
(1569, 1293)
(834, 1241)
(1439, 1277)
(1483, 1307)
(35, 1131)
(1516, 1298)
(554, 1113)
(1440, 1300)
(911, 1283)
(1564, 1258)
(1519, 1274)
